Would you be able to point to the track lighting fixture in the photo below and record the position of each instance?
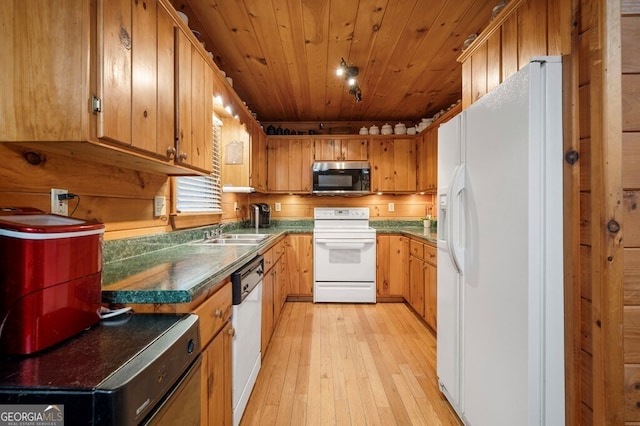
(350, 73)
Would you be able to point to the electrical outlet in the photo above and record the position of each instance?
(391, 207)
(159, 206)
(60, 207)
(278, 207)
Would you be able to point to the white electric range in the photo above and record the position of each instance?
(344, 268)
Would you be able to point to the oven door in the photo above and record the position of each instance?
(344, 259)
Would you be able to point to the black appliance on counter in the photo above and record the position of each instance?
(128, 370)
(264, 215)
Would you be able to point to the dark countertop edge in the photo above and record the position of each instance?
(210, 282)
(202, 286)
(417, 232)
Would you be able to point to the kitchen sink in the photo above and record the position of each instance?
(236, 239)
(256, 237)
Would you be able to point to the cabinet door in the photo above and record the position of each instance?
(326, 150)
(289, 165)
(299, 261)
(431, 140)
(115, 54)
(355, 149)
(144, 57)
(166, 107)
(392, 265)
(422, 162)
(44, 69)
(341, 149)
(277, 293)
(267, 310)
(282, 279)
(195, 106)
(216, 380)
(258, 159)
(431, 296)
(404, 165)
(382, 165)
(416, 278)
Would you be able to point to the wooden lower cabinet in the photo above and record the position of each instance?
(392, 257)
(273, 293)
(416, 287)
(422, 290)
(216, 333)
(216, 380)
(299, 259)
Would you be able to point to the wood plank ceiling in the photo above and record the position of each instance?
(282, 54)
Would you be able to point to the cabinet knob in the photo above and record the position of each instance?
(218, 313)
(171, 152)
(183, 156)
(232, 332)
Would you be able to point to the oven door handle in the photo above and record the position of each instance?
(344, 244)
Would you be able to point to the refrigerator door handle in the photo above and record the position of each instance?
(455, 210)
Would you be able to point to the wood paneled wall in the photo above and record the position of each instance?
(600, 87)
(524, 28)
(630, 72)
(120, 198)
(301, 206)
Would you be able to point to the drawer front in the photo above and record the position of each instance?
(278, 250)
(214, 313)
(268, 258)
(430, 254)
(417, 249)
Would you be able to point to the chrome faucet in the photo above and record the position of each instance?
(220, 228)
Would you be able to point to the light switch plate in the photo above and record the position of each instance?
(278, 207)
(159, 206)
(391, 207)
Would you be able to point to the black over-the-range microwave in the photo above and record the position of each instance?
(341, 178)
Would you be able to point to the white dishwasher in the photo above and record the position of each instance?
(246, 319)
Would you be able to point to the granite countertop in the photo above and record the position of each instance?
(175, 268)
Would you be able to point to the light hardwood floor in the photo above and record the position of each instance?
(349, 364)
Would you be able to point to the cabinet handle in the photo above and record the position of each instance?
(218, 313)
(171, 152)
(231, 332)
(183, 156)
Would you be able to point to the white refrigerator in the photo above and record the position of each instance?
(500, 349)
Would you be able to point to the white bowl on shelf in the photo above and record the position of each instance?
(386, 130)
(184, 17)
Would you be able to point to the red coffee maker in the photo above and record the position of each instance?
(50, 278)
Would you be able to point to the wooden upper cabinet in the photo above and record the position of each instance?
(100, 83)
(137, 86)
(258, 174)
(427, 149)
(115, 71)
(44, 73)
(289, 165)
(346, 149)
(394, 165)
(195, 106)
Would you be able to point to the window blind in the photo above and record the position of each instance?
(202, 193)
